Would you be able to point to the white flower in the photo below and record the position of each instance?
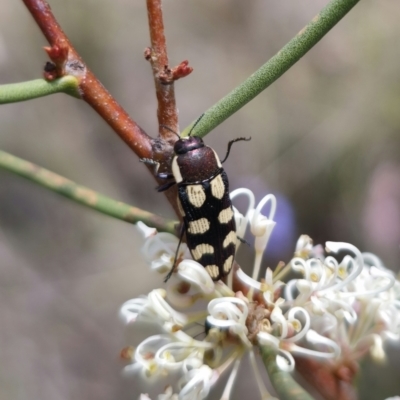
(351, 302)
(153, 308)
(337, 309)
(260, 226)
(159, 248)
(196, 383)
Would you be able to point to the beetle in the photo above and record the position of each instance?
(203, 202)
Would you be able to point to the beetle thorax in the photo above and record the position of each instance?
(196, 165)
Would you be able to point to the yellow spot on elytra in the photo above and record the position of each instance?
(201, 249)
(196, 195)
(230, 238)
(212, 270)
(228, 264)
(217, 187)
(199, 226)
(225, 215)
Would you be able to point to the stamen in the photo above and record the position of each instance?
(231, 380)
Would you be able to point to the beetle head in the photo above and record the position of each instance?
(187, 144)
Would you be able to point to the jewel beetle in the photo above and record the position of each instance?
(203, 202)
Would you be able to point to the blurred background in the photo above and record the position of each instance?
(325, 141)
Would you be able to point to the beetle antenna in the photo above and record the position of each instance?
(169, 129)
(197, 121)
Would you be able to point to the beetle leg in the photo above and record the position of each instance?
(230, 145)
(165, 186)
(243, 240)
(176, 256)
(150, 161)
(159, 175)
(164, 175)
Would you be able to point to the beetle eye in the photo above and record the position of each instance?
(179, 147)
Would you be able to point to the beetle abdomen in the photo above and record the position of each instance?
(209, 223)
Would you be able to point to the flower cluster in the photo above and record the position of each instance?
(335, 310)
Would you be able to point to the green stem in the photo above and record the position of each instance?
(82, 194)
(285, 386)
(274, 68)
(22, 91)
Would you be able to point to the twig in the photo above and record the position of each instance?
(23, 91)
(83, 195)
(166, 113)
(67, 61)
(307, 38)
(164, 76)
(63, 53)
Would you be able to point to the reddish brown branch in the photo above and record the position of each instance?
(164, 76)
(65, 60)
(68, 61)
